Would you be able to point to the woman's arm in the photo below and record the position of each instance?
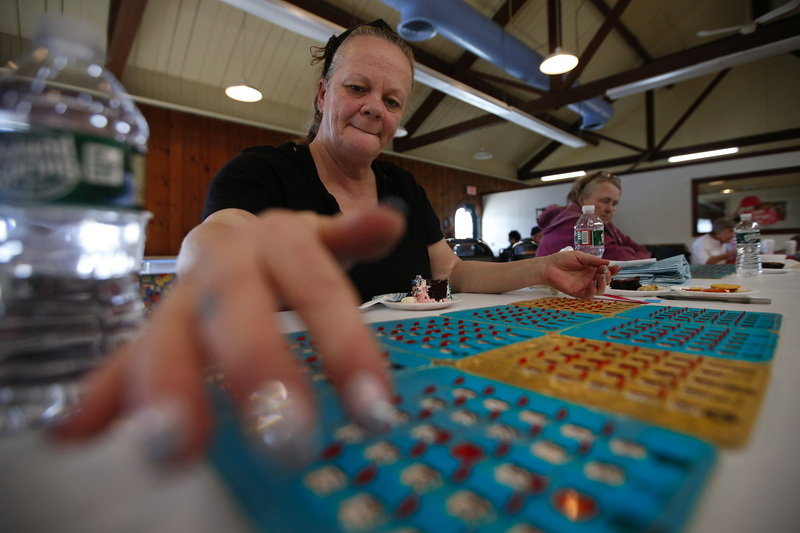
(236, 270)
(575, 273)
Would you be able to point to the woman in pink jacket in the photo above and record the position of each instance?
(603, 191)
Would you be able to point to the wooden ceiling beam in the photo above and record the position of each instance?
(648, 156)
(522, 86)
(654, 149)
(409, 143)
(124, 19)
(406, 144)
(750, 140)
(767, 34)
(776, 32)
(610, 21)
(624, 32)
(543, 154)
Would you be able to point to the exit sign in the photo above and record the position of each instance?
(472, 190)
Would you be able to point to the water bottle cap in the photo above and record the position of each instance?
(587, 208)
(746, 216)
(84, 38)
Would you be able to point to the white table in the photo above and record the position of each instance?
(106, 487)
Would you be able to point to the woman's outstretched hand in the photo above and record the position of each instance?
(220, 314)
(578, 274)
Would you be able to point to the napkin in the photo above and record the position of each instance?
(670, 271)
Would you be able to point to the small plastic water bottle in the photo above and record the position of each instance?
(748, 246)
(589, 232)
(72, 228)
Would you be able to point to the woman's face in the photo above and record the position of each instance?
(365, 98)
(605, 198)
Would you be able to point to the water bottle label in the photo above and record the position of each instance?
(749, 237)
(64, 168)
(589, 237)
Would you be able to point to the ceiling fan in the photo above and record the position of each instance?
(750, 27)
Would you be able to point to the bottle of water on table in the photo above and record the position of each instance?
(72, 228)
(589, 232)
(748, 246)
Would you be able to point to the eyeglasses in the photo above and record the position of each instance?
(336, 41)
(607, 175)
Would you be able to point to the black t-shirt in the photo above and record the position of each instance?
(285, 176)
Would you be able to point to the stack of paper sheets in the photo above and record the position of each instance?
(671, 271)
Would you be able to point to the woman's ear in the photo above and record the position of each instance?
(322, 88)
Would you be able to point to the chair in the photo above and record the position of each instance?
(471, 249)
(524, 249)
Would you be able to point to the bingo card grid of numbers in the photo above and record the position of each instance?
(433, 343)
(466, 453)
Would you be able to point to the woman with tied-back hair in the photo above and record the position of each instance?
(283, 227)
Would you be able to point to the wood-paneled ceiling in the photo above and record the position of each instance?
(183, 53)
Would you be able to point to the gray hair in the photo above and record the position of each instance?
(720, 224)
(587, 184)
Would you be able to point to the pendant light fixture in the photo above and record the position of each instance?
(559, 61)
(243, 92)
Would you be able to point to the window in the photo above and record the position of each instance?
(466, 222)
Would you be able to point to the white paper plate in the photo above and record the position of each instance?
(420, 307)
(637, 294)
(743, 292)
(634, 262)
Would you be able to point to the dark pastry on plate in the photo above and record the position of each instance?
(626, 284)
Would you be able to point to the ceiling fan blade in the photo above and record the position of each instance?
(719, 31)
(777, 12)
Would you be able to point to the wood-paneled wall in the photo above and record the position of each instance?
(186, 151)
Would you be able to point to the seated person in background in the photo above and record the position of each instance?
(321, 201)
(715, 247)
(513, 236)
(536, 235)
(558, 223)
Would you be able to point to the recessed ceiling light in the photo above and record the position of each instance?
(482, 155)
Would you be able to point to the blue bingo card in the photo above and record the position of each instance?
(467, 454)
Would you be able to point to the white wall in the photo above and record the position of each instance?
(655, 207)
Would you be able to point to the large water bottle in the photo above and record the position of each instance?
(589, 232)
(72, 229)
(748, 246)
